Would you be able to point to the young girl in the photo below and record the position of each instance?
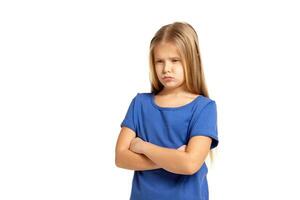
(167, 134)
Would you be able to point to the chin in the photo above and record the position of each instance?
(170, 86)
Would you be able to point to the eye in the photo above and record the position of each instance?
(175, 60)
(159, 61)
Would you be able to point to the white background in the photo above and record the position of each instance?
(69, 69)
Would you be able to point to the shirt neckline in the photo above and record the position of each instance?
(172, 108)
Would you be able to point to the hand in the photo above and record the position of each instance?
(136, 145)
(182, 148)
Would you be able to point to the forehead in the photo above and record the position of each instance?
(166, 50)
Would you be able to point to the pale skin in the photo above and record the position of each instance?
(135, 154)
(139, 146)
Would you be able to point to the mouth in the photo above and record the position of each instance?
(168, 78)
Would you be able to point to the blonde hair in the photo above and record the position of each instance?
(185, 38)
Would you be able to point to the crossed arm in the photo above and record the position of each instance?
(135, 154)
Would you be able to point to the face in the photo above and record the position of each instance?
(168, 63)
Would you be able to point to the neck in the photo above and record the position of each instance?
(179, 91)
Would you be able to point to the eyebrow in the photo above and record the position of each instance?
(169, 58)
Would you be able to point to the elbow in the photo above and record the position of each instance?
(192, 168)
(188, 166)
(117, 163)
(193, 164)
(118, 160)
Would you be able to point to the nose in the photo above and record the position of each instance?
(167, 67)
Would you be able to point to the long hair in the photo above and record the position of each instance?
(184, 37)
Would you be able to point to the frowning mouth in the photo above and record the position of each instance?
(168, 78)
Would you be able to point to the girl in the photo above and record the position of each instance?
(167, 133)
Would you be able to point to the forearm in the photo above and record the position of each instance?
(169, 159)
(134, 161)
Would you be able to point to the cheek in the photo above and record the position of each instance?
(180, 73)
(179, 70)
(158, 72)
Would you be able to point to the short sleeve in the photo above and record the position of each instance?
(131, 115)
(204, 122)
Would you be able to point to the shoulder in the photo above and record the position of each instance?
(207, 99)
(140, 97)
(143, 95)
(204, 102)
(205, 110)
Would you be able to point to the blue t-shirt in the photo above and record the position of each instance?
(171, 127)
